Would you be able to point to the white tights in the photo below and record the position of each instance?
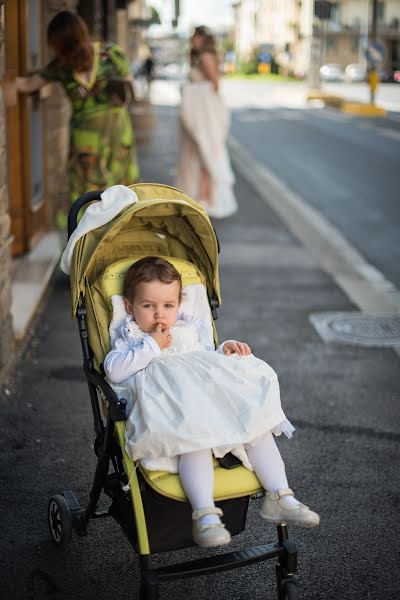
(197, 473)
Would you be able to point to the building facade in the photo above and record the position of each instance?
(349, 29)
(272, 23)
(290, 28)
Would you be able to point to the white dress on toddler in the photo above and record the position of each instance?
(190, 398)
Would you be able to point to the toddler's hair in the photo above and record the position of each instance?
(150, 268)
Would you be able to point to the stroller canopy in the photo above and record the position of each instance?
(165, 222)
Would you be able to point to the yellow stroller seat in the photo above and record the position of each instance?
(151, 506)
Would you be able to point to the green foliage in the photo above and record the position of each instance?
(248, 68)
(227, 45)
(155, 17)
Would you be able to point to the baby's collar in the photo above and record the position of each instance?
(133, 329)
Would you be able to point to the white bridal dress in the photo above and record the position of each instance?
(204, 126)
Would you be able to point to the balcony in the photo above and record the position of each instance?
(358, 28)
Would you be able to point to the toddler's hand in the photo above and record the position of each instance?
(161, 336)
(236, 348)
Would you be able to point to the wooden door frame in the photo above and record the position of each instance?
(28, 223)
(14, 128)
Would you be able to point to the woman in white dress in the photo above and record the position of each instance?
(204, 171)
(187, 400)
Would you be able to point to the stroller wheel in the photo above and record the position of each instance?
(60, 521)
(290, 591)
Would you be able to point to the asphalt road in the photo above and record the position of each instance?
(346, 167)
(343, 460)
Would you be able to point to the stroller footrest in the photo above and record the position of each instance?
(211, 564)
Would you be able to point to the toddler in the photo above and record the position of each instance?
(190, 400)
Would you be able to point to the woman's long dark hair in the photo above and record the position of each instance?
(69, 38)
(209, 44)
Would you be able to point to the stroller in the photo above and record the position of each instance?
(148, 505)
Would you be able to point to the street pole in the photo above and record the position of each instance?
(315, 50)
(364, 33)
(320, 15)
(177, 13)
(373, 77)
(374, 20)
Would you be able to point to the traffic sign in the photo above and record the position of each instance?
(375, 54)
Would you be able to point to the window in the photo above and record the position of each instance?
(335, 13)
(34, 58)
(381, 12)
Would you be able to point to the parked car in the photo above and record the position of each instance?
(355, 72)
(394, 72)
(331, 72)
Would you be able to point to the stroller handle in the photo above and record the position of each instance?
(76, 207)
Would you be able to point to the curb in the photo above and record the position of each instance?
(30, 280)
(363, 110)
(364, 285)
(329, 99)
(358, 109)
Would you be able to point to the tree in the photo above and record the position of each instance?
(155, 17)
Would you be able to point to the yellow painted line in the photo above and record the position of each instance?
(363, 110)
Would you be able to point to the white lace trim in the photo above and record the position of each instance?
(133, 329)
(185, 337)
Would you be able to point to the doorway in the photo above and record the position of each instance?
(25, 126)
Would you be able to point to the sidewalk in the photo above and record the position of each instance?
(343, 459)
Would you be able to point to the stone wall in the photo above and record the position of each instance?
(6, 333)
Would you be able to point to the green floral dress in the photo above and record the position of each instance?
(102, 147)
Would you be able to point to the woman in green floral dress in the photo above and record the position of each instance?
(102, 148)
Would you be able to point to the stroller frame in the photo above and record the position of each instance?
(65, 512)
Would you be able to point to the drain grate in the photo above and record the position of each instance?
(374, 330)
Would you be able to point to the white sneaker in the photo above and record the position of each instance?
(209, 535)
(275, 510)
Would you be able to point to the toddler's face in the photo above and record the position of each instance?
(154, 303)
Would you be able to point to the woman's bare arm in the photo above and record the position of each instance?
(27, 85)
(209, 66)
